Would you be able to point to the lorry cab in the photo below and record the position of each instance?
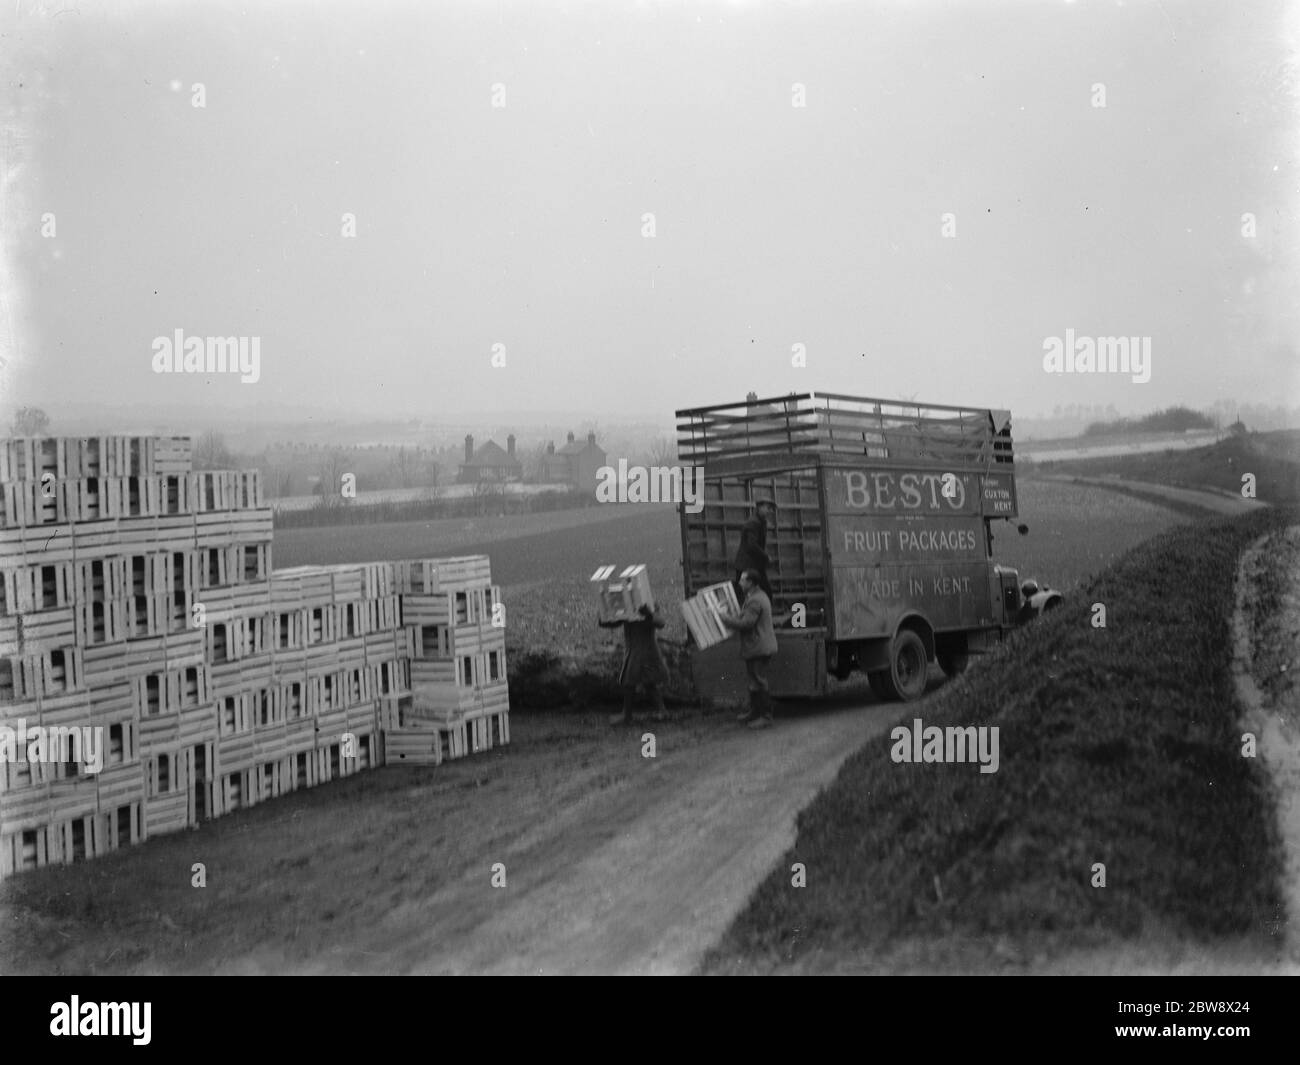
(880, 558)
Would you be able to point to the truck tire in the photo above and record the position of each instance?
(905, 677)
(954, 664)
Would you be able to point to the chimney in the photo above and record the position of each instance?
(570, 438)
(510, 445)
(591, 439)
(752, 398)
(469, 447)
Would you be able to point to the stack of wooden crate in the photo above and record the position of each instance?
(137, 599)
(458, 668)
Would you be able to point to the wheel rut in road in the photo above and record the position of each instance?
(639, 878)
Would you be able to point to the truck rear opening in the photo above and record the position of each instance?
(882, 525)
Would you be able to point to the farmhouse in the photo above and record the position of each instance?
(138, 606)
(489, 463)
(575, 464)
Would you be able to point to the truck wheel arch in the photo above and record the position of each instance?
(875, 654)
(918, 624)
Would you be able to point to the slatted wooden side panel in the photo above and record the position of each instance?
(836, 424)
(797, 572)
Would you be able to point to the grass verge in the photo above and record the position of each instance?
(1118, 745)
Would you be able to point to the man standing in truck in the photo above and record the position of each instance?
(752, 553)
(757, 646)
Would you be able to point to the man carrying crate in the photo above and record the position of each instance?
(643, 665)
(757, 646)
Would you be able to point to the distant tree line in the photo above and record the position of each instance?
(1169, 420)
(485, 501)
(30, 421)
(303, 470)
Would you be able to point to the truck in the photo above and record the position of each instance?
(881, 558)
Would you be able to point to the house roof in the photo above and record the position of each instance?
(577, 448)
(491, 454)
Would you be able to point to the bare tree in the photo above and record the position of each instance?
(404, 468)
(278, 480)
(331, 468)
(31, 421)
(532, 464)
(489, 496)
(211, 453)
(663, 451)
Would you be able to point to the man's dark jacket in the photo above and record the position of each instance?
(752, 553)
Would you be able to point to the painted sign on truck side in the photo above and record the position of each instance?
(932, 491)
(869, 600)
(903, 541)
(872, 538)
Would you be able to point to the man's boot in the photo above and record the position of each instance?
(763, 719)
(753, 711)
(621, 718)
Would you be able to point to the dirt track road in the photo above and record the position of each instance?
(641, 877)
(1218, 502)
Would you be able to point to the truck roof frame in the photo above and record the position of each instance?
(812, 428)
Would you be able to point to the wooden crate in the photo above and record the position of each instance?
(100, 624)
(439, 641)
(218, 529)
(414, 746)
(432, 576)
(167, 455)
(25, 808)
(363, 580)
(197, 726)
(38, 632)
(487, 728)
(467, 606)
(623, 593)
(120, 785)
(702, 612)
(69, 709)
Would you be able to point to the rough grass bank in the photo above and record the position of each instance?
(1118, 745)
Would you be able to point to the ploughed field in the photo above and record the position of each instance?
(544, 561)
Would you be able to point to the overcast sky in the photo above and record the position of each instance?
(774, 225)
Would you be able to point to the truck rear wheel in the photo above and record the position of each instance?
(905, 677)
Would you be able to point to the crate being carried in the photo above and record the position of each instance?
(703, 610)
(622, 596)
